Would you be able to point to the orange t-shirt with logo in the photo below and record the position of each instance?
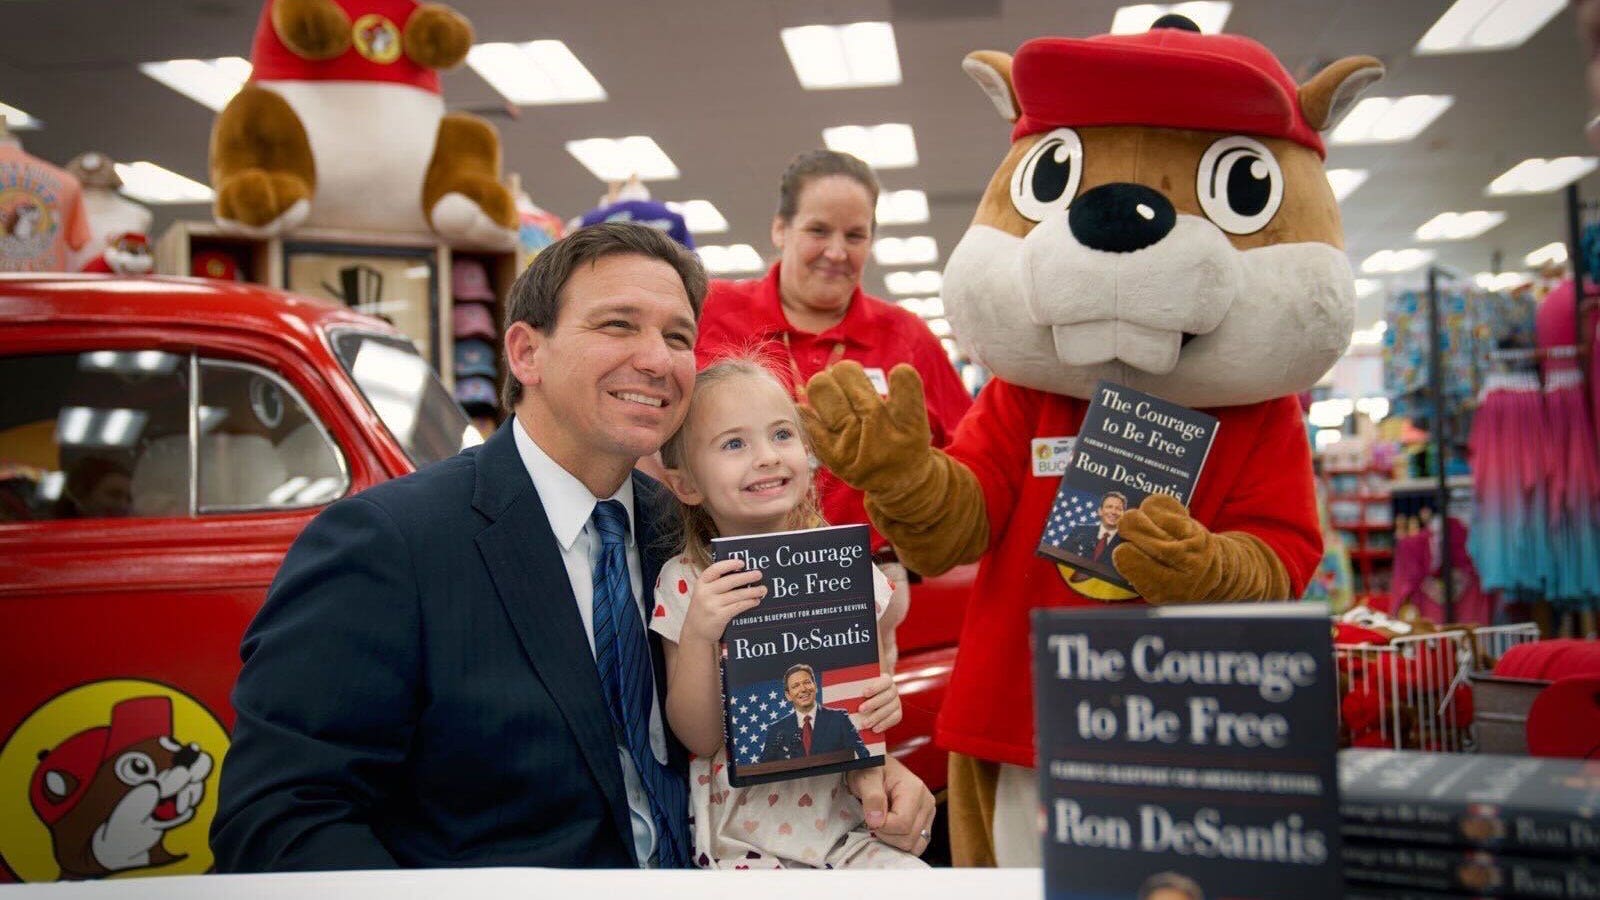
(42, 216)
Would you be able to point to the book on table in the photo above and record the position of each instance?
(1187, 747)
(1512, 804)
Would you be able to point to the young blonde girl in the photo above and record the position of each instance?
(739, 465)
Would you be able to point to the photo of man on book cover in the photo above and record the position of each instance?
(1088, 529)
(809, 728)
(766, 722)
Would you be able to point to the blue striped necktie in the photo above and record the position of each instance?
(623, 657)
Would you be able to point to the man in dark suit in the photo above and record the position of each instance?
(1096, 540)
(452, 668)
(812, 728)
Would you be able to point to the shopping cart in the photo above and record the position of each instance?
(1412, 692)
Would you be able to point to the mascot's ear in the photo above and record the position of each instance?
(1331, 93)
(311, 29)
(991, 69)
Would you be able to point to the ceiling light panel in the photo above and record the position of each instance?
(701, 216)
(926, 307)
(927, 281)
(889, 146)
(209, 82)
(1551, 254)
(1210, 15)
(1389, 262)
(1541, 176)
(731, 259)
(1345, 181)
(912, 251)
(1504, 281)
(17, 120)
(1459, 226)
(830, 57)
(617, 159)
(908, 207)
(1389, 120)
(1366, 287)
(150, 183)
(535, 73)
(1471, 26)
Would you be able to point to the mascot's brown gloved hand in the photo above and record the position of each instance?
(1168, 557)
(927, 504)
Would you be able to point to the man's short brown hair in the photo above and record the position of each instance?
(537, 294)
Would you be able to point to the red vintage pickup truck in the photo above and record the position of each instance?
(162, 442)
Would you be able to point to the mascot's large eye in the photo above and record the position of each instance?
(1047, 178)
(1240, 184)
(134, 767)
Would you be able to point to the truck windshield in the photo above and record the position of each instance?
(406, 395)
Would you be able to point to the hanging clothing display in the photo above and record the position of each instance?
(42, 216)
(1418, 560)
(1509, 533)
(1536, 481)
(1474, 324)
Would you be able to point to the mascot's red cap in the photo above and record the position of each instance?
(1164, 78)
(79, 757)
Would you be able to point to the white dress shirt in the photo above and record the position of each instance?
(568, 506)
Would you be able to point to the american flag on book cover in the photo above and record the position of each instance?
(758, 704)
(1073, 508)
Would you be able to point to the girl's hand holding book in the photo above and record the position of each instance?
(724, 590)
(880, 704)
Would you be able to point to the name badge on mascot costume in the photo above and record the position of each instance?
(1162, 220)
(342, 125)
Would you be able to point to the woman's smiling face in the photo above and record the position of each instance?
(824, 248)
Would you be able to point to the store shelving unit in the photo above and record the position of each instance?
(1359, 508)
(310, 261)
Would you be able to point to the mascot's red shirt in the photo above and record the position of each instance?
(1257, 479)
(376, 53)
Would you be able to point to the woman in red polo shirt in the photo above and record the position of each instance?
(810, 312)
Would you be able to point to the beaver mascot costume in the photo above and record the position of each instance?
(1162, 220)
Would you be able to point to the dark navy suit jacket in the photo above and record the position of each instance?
(418, 688)
(831, 730)
(1081, 540)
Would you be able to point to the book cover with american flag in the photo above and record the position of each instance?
(1131, 445)
(794, 667)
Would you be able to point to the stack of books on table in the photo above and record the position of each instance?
(1431, 825)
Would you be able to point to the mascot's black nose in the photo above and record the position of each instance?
(1120, 218)
(186, 756)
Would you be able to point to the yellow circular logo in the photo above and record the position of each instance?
(376, 38)
(1093, 587)
(108, 780)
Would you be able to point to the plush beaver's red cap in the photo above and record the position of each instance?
(78, 758)
(1164, 77)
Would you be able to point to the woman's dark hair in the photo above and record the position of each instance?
(814, 164)
(536, 295)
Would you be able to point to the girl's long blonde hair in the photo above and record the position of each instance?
(695, 528)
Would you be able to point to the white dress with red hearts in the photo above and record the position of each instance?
(812, 822)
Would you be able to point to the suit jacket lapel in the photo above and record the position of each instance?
(530, 577)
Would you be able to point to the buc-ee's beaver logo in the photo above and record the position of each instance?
(108, 779)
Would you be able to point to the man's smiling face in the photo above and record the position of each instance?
(616, 370)
(801, 690)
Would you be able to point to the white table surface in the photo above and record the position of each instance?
(605, 884)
